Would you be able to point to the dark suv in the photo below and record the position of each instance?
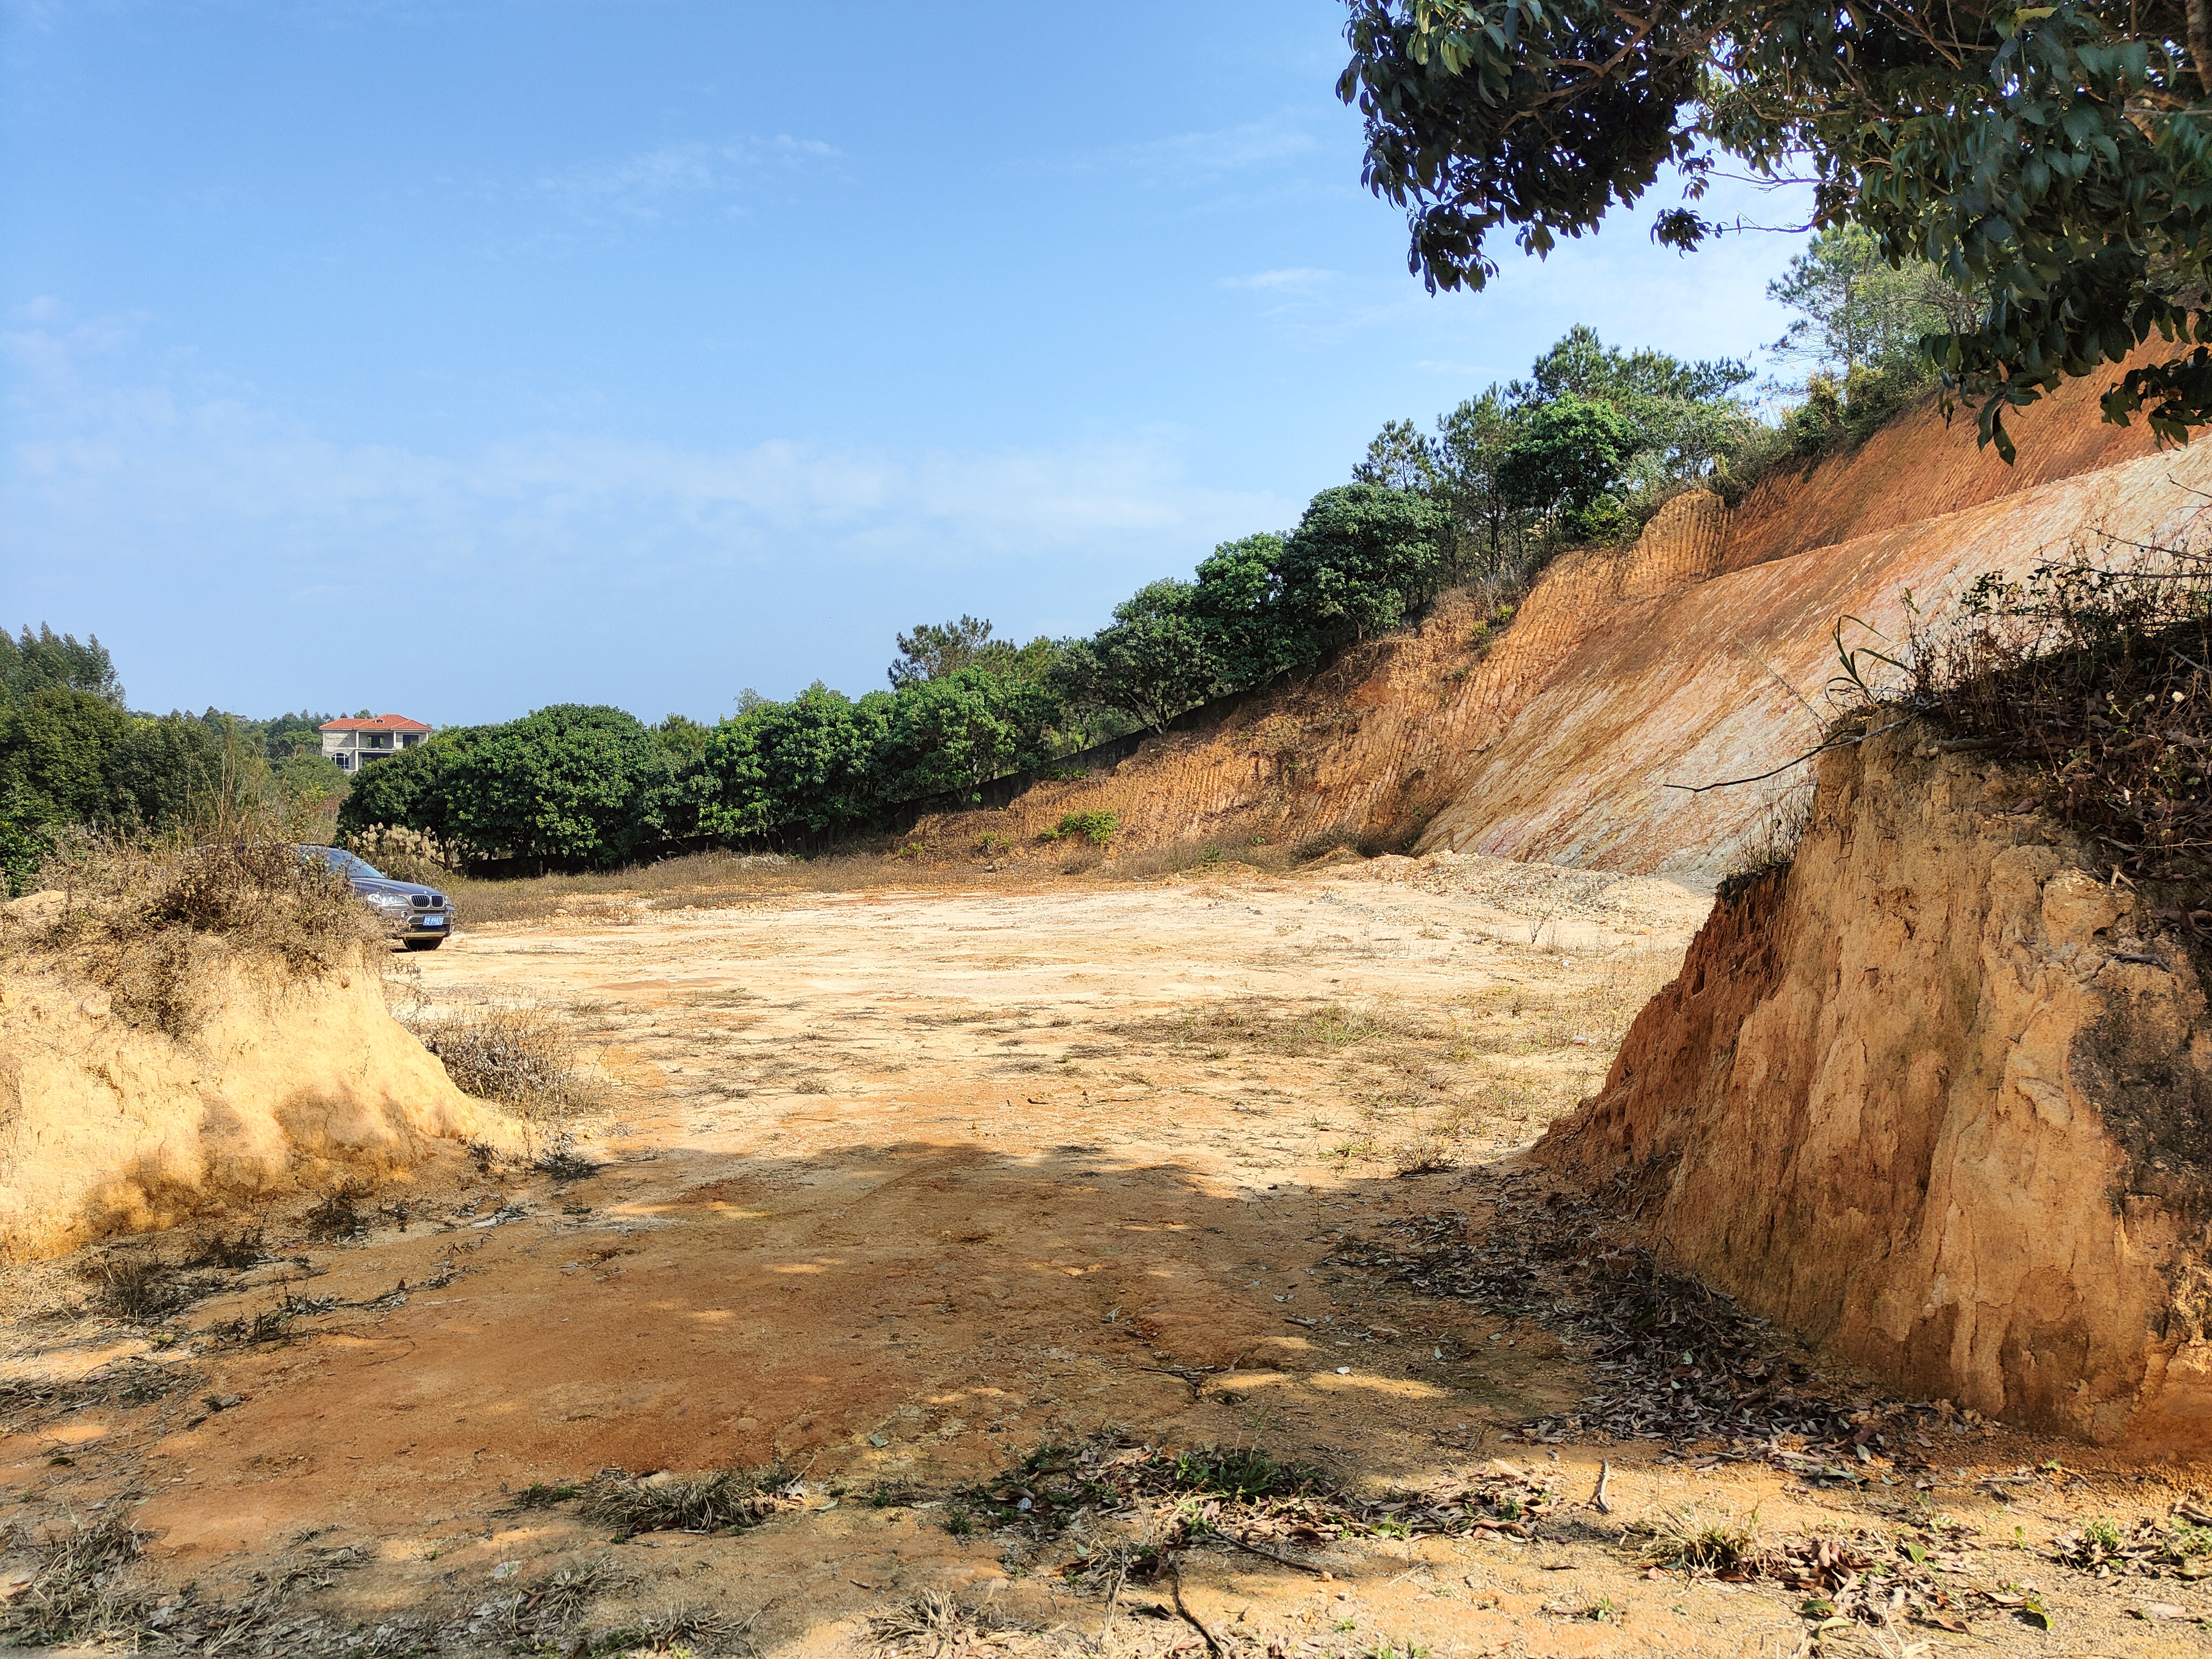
(419, 917)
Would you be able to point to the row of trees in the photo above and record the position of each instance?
(1582, 450)
(571, 786)
(1585, 449)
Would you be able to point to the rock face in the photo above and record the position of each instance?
(288, 1084)
(1700, 654)
(1937, 1097)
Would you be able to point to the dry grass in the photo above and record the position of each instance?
(2095, 677)
(1698, 1541)
(1281, 1028)
(697, 881)
(724, 1501)
(141, 1286)
(339, 1216)
(935, 1623)
(83, 1586)
(669, 1630)
(713, 880)
(524, 1060)
(403, 854)
(1229, 855)
(1623, 984)
(1505, 1019)
(1435, 1087)
(153, 928)
(217, 1249)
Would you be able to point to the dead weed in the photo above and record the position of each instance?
(524, 1060)
(933, 1623)
(725, 1501)
(84, 1585)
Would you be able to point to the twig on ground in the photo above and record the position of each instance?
(1175, 1584)
(1113, 1601)
(1269, 1555)
(1192, 1376)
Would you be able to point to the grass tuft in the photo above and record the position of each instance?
(936, 1622)
(523, 1059)
(723, 1501)
(215, 1250)
(560, 1159)
(338, 1216)
(541, 1495)
(143, 1286)
(670, 1631)
(1699, 1542)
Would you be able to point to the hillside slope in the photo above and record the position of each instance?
(1933, 1097)
(1700, 655)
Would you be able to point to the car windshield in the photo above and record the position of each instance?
(344, 862)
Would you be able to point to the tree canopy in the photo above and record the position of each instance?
(568, 785)
(1583, 450)
(2054, 161)
(45, 658)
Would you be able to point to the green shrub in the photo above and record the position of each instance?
(1097, 828)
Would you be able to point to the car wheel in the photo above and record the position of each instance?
(424, 944)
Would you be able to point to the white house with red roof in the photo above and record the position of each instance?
(358, 738)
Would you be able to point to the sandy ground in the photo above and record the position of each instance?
(893, 1190)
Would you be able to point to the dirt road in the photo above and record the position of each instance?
(892, 1191)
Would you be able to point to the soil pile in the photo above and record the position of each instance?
(1934, 1097)
(285, 1082)
(1699, 654)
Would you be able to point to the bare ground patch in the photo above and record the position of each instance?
(862, 1340)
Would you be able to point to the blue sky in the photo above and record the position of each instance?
(460, 358)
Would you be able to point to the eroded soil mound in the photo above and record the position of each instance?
(1936, 1096)
(285, 1081)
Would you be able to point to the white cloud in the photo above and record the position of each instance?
(646, 184)
(1303, 279)
(91, 448)
(1187, 158)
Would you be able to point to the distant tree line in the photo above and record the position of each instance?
(72, 754)
(1580, 453)
(569, 787)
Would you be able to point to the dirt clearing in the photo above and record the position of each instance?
(1065, 1268)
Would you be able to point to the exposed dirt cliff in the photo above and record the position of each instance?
(288, 1083)
(1936, 1097)
(1699, 654)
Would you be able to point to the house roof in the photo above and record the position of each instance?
(375, 723)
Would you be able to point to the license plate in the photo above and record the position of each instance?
(432, 921)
